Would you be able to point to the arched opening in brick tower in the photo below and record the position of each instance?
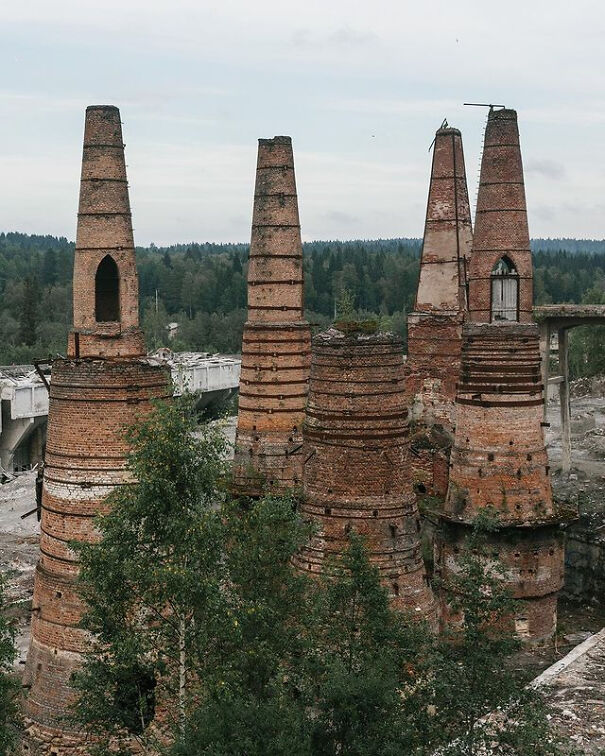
(107, 291)
(505, 291)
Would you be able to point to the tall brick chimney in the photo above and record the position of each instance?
(356, 473)
(103, 385)
(105, 286)
(435, 325)
(501, 257)
(499, 458)
(277, 342)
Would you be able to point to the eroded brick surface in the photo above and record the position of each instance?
(357, 472)
(276, 346)
(435, 325)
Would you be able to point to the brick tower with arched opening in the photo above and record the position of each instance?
(103, 385)
(499, 457)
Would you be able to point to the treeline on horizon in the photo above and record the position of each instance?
(202, 287)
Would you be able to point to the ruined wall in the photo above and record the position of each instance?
(357, 463)
(276, 345)
(92, 399)
(435, 325)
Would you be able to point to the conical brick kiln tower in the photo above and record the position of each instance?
(499, 458)
(435, 325)
(277, 340)
(104, 384)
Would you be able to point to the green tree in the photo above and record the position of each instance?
(153, 580)
(29, 313)
(368, 671)
(9, 686)
(473, 676)
(199, 613)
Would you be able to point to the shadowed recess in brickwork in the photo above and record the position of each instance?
(356, 467)
(276, 344)
(94, 396)
(501, 229)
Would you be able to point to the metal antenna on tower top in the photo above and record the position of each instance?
(444, 125)
(483, 105)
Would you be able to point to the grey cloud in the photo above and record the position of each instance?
(342, 37)
(547, 168)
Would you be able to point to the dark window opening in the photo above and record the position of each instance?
(107, 291)
(134, 697)
(505, 290)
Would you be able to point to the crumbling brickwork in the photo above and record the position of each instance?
(357, 467)
(435, 325)
(499, 458)
(277, 342)
(105, 384)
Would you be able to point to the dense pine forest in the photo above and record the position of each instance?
(202, 287)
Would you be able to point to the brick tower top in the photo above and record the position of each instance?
(500, 279)
(448, 230)
(105, 284)
(275, 281)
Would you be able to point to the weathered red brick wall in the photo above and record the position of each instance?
(435, 325)
(499, 458)
(92, 400)
(276, 346)
(532, 559)
(501, 219)
(357, 468)
(499, 461)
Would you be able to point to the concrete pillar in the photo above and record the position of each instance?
(545, 360)
(13, 433)
(564, 401)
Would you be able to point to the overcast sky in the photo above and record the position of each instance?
(360, 87)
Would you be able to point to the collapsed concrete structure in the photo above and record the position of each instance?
(276, 345)
(435, 324)
(105, 383)
(499, 457)
(357, 467)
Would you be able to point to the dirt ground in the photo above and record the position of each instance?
(19, 538)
